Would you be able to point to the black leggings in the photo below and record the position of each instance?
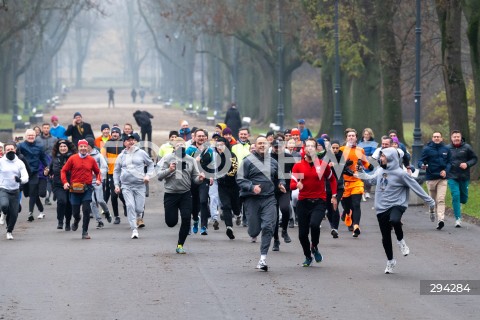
(333, 216)
(230, 202)
(64, 208)
(353, 203)
(386, 220)
(200, 202)
(173, 202)
(115, 196)
(310, 215)
(283, 204)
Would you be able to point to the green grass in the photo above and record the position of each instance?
(6, 121)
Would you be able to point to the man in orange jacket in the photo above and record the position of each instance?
(354, 158)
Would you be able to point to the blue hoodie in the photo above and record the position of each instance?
(437, 157)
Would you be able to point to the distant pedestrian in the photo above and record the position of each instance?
(233, 120)
(141, 93)
(185, 133)
(143, 120)
(111, 97)
(133, 94)
(305, 133)
(57, 130)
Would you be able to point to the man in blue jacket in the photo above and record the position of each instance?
(435, 160)
(462, 158)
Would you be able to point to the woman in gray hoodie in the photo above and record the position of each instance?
(391, 200)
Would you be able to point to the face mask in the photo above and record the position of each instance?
(10, 155)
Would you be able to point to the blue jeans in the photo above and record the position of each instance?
(459, 191)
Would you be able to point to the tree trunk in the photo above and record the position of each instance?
(450, 21)
(390, 63)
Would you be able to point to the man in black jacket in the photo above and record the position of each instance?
(79, 130)
(462, 158)
(143, 120)
(233, 120)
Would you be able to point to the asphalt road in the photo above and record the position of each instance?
(53, 274)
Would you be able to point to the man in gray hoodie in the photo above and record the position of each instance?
(130, 178)
(179, 170)
(391, 200)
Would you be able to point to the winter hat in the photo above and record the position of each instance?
(82, 142)
(321, 142)
(227, 131)
(76, 114)
(172, 133)
(117, 130)
(301, 121)
(287, 131)
(325, 137)
(136, 136)
(270, 133)
(221, 126)
(295, 131)
(104, 126)
(395, 139)
(90, 141)
(128, 136)
(54, 118)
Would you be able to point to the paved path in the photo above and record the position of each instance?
(53, 274)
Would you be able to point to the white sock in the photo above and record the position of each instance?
(263, 257)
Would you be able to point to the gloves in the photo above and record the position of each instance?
(371, 167)
(17, 179)
(348, 163)
(347, 171)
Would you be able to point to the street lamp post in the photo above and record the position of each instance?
(216, 70)
(417, 132)
(203, 78)
(337, 115)
(280, 107)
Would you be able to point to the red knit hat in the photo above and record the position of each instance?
(82, 142)
(295, 131)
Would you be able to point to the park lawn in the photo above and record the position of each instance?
(6, 121)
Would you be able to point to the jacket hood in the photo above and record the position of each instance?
(393, 158)
(94, 152)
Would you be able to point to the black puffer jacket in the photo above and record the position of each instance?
(462, 154)
(56, 167)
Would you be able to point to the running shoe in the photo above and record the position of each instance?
(75, 225)
(403, 247)
(318, 256)
(334, 233)
(390, 266)
(262, 265)
(215, 225)
(195, 226)
(356, 231)
(203, 231)
(276, 245)
(432, 213)
(308, 261)
(348, 219)
(238, 220)
(85, 236)
(100, 225)
(180, 249)
(230, 233)
(458, 223)
(135, 234)
(41, 215)
(285, 236)
(9, 236)
(440, 225)
(140, 223)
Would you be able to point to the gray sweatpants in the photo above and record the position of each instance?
(261, 216)
(97, 199)
(134, 196)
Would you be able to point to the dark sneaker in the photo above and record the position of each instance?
(117, 220)
(30, 217)
(230, 233)
(75, 225)
(238, 220)
(47, 202)
(276, 245)
(318, 256)
(440, 225)
(285, 236)
(308, 261)
(203, 231)
(108, 216)
(215, 225)
(67, 227)
(100, 225)
(60, 226)
(356, 231)
(334, 233)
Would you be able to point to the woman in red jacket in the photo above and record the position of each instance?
(309, 176)
(81, 166)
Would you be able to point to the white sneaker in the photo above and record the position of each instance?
(367, 195)
(135, 234)
(363, 198)
(262, 265)
(390, 266)
(41, 216)
(458, 223)
(9, 236)
(2, 218)
(403, 247)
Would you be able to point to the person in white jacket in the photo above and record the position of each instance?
(97, 198)
(12, 174)
(130, 178)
